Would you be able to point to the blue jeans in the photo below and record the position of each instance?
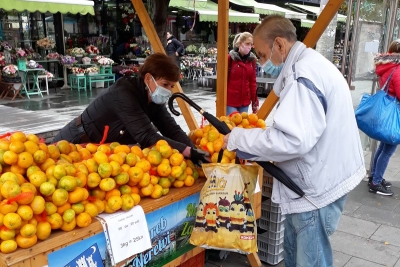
(241, 109)
(381, 160)
(307, 236)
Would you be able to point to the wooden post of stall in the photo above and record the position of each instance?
(222, 48)
(155, 42)
(311, 39)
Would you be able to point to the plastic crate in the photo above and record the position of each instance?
(273, 206)
(263, 223)
(267, 185)
(269, 258)
(276, 235)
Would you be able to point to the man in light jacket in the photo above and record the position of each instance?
(314, 139)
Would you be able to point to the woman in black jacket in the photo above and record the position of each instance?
(174, 48)
(126, 112)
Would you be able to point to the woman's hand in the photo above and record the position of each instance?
(226, 139)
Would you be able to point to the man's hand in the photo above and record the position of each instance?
(198, 156)
(176, 53)
(226, 139)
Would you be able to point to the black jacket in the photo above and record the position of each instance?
(173, 46)
(125, 108)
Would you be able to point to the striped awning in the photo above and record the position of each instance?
(53, 6)
(315, 10)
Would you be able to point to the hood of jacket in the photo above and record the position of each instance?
(236, 56)
(385, 62)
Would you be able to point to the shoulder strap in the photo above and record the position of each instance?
(385, 86)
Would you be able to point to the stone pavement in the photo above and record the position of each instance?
(369, 230)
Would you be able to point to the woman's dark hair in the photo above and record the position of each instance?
(395, 46)
(162, 66)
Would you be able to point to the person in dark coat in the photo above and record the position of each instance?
(174, 48)
(130, 108)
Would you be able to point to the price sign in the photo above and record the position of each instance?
(126, 233)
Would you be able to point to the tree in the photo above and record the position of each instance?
(158, 11)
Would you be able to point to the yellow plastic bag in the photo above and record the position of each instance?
(225, 217)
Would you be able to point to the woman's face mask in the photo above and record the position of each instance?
(160, 94)
(245, 49)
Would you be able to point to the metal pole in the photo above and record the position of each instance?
(373, 145)
(346, 37)
(353, 41)
(393, 17)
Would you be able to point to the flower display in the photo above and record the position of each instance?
(49, 75)
(2, 60)
(93, 50)
(128, 14)
(132, 71)
(207, 59)
(198, 64)
(20, 53)
(96, 58)
(92, 70)
(191, 49)
(212, 51)
(86, 60)
(6, 46)
(202, 49)
(46, 43)
(10, 70)
(68, 60)
(147, 52)
(77, 51)
(77, 70)
(53, 56)
(105, 61)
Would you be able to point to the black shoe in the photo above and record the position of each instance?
(380, 189)
(384, 182)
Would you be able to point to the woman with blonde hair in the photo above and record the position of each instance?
(242, 89)
(387, 67)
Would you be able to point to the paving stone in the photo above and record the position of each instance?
(351, 206)
(362, 195)
(357, 227)
(363, 248)
(378, 215)
(387, 234)
(340, 259)
(357, 262)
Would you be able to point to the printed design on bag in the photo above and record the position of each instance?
(200, 218)
(237, 213)
(211, 213)
(217, 183)
(246, 198)
(249, 225)
(223, 207)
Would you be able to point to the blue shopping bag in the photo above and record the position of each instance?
(378, 116)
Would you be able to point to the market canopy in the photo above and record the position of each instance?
(306, 23)
(53, 6)
(208, 11)
(314, 10)
(268, 9)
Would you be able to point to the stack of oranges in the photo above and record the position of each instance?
(62, 186)
(209, 139)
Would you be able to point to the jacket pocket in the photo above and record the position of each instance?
(304, 175)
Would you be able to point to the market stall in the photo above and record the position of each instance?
(38, 254)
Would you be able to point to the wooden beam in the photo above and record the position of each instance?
(222, 47)
(311, 39)
(155, 42)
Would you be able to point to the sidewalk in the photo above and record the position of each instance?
(369, 230)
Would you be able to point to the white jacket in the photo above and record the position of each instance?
(320, 152)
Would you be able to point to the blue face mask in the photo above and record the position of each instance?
(160, 95)
(270, 68)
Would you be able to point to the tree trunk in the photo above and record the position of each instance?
(326, 43)
(160, 18)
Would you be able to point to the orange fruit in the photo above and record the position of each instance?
(76, 195)
(245, 123)
(164, 182)
(160, 143)
(64, 147)
(26, 242)
(17, 170)
(50, 208)
(60, 197)
(104, 148)
(82, 168)
(260, 123)
(10, 189)
(47, 188)
(253, 118)
(145, 180)
(4, 144)
(178, 183)
(127, 202)
(107, 184)
(6, 208)
(236, 118)
(91, 209)
(100, 157)
(122, 178)
(165, 191)
(75, 156)
(131, 159)
(43, 146)
(78, 208)
(27, 188)
(144, 165)
(55, 221)
(61, 209)
(92, 148)
(37, 205)
(122, 148)
(18, 136)
(43, 230)
(32, 138)
(176, 159)
(39, 156)
(30, 147)
(164, 170)
(154, 157)
(47, 163)
(166, 151)
(137, 151)
(25, 160)
(117, 158)
(68, 226)
(116, 168)
(111, 193)
(28, 230)
(154, 179)
(113, 145)
(85, 153)
(114, 203)
(97, 193)
(37, 178)
(176, 171)
(136, 198)
(83, 219)
(146, 191)
(104, 170)
(198, 133)
(189, 181)
(93, 180)
(157, 192)
(54, 152)
(73, 147)
(68, 183)
(217, 144)
(12, 220)
(7, 234)
(135, 174)
(125, 189)
(25, 212)
(8, 176)
(83, 178)
(210, 147)
(8, 246)
(212, 135)
(10, 157)
(99, 204)
(68, 215)
(92, 165)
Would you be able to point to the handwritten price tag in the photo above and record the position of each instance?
(126, 233)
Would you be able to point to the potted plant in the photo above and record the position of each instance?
(104, 62)
(68, 61)
(78, 71)
(92, 50)
(10, 73)
(21, 58)
(92, 71)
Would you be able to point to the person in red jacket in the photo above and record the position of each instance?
(242, 75)
(386, 64)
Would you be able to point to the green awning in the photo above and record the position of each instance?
(315, 10)
(53, 6)
(268, 9)
(208, 11)
(306, 23)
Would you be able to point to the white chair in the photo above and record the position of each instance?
(43, 77)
